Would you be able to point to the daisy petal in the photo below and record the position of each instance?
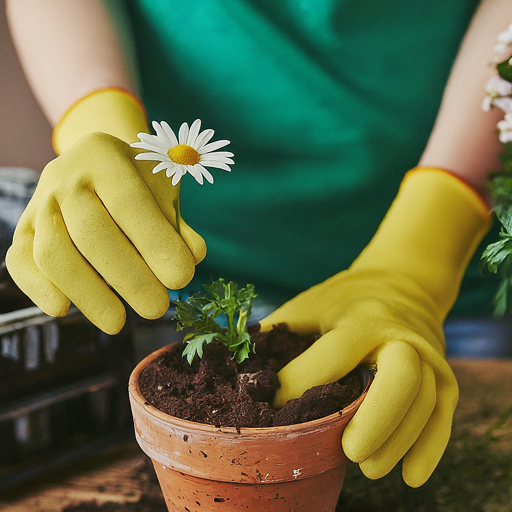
(213, 146)
(196, 173)
(161, 166)
(170, 171)
(218, 165)
(222, 154)
(169, 132)
(214, 157)
(205, 172)
(149, 147)
(203, 138)
(160, 132)
(183, 133)
(153, 140)
(157, 157)
(176, 178)
(140, 145)
(194, 132)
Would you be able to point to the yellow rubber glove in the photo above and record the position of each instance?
(388, 310)
(98, 216)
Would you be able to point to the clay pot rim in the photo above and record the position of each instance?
(134, 390)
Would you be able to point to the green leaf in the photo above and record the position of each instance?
(246, 295)
(505, 70)
(496, 253)
(198, 313)
(506, 158)
(185, 314)
(195, 345)
(501, 188)
(242, 347)
(500, 299)
(242, 353)
(504, 214)
(219, 289)
(242, 338)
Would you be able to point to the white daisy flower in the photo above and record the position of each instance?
(189, 152)
(505, 129)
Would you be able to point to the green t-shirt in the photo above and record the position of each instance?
(327, 104)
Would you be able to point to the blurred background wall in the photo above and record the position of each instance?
(25, 135)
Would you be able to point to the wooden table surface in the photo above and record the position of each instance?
(117, 475)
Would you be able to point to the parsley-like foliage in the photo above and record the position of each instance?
(497, 257)
(200, 311)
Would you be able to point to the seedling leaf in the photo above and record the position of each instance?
(198, 314)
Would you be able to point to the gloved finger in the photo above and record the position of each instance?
(421, 460)
(167, 199)
(330, 358)
(29, 278)
(194, 241)
(146, 226)
(107, 249)
(298, 313)
(383, 460)
(390, 396)
(67, 269)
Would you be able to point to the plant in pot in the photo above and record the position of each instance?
(204, 418)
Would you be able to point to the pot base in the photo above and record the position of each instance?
(200, 467)
(185, 493)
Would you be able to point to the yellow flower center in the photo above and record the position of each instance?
(183, 154)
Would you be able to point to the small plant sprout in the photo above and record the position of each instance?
(189, 152)
(200, 311)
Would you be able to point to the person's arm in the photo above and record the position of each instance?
(69, 48)
(464, 139)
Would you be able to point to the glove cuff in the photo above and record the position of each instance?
(430, 233)
(111, 110)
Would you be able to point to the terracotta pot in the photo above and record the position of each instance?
(204, 468)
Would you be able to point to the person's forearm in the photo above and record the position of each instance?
(68, 48)
(464, 139)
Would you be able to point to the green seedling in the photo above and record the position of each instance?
(199, 314)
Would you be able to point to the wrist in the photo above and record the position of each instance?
(479, 190)
(430, 233)
(115, 111)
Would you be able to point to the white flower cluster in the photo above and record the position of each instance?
(498, 90)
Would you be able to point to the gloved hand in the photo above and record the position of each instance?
(387, 310)
(100, 219)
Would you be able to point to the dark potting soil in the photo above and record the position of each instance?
(218, 391)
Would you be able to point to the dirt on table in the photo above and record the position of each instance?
(218, 391)
(145, 503)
